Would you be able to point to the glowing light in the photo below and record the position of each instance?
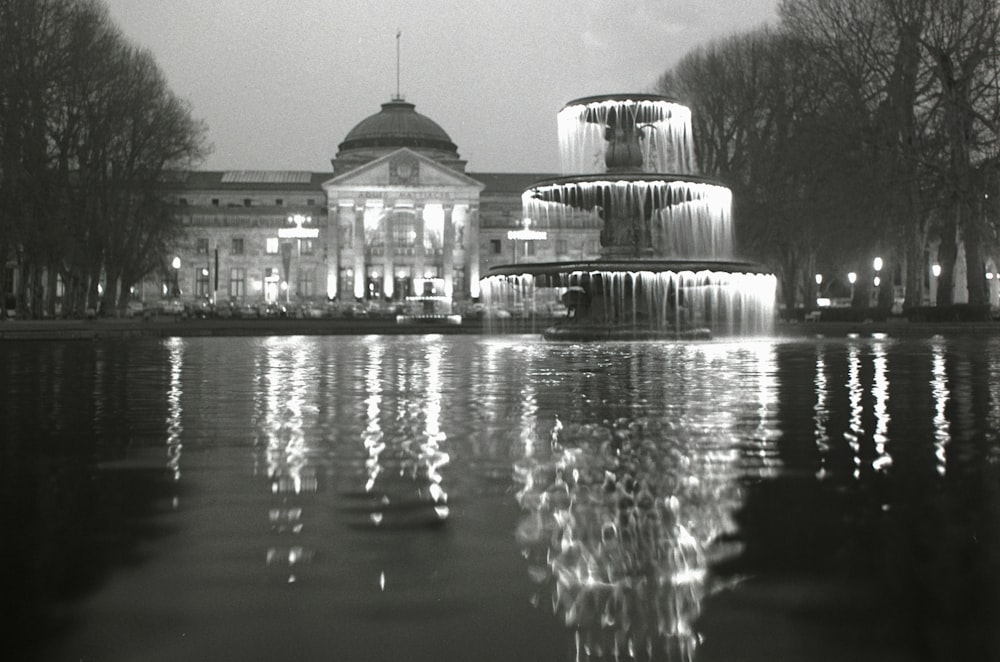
(852, 277)
(819, 279)
(877, 264)
(176, 263)
(877, 281)
(298, 233)
(936, 270)
(527, 234)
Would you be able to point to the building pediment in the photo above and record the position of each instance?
(402, 169)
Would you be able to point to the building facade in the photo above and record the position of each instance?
(397, 217)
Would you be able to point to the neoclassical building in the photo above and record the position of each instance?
(398, 216)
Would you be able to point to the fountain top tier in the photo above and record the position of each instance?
(626, 133)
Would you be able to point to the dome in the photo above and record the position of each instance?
(398, 125)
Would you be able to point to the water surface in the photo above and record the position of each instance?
(466, 498)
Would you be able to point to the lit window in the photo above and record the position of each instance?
(201, 282)
(238, 282)
(306, 286)
(272, 245)
(306, 247)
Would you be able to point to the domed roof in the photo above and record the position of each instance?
(398, 125)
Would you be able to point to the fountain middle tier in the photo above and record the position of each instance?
(643, 215)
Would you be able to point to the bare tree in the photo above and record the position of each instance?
(90, 131)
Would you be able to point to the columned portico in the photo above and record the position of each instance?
(405, 244)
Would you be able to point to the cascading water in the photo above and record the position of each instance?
(666, 266)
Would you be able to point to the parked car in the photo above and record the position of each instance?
(312, 310)
(272, 310)
(172, 307)
(134, 308)
(353, 309)
(202, 309)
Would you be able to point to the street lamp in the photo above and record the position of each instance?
(852, 278)
(935, 270)
(176, 264)
(877, 281)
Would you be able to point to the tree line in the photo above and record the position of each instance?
(854, 129)
(90, 134)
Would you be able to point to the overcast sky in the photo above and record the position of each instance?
(281, 82)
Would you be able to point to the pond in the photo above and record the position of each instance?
(381, 498)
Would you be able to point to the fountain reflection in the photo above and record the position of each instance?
(624, 515)
(174, 427)
(939, 390)
(284, 403)
(403, 484)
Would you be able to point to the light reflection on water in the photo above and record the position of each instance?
(601, 501)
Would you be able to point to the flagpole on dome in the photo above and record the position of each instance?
(398, 97)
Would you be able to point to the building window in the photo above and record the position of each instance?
(529, 247)
(247, 202)
(496, 246)
(278, 202)
(201, 245)
(311, 201)
(306, 247)
(306, 287)
(272, 246)
(201, 282)
(183, 202)
(404, 231)
(561, 247)
(215, 202)
(237, 246)
(237, 282)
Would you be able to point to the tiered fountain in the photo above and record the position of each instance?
(666, 267)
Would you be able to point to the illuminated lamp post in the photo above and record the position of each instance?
(176, 264)
(525, 235)
(877, 281)
(819, 284)
(852, 278)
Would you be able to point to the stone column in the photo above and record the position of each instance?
(419, 252)
(472, 249)
(447, 251)
(388, 270)
(360, 268)
(334, 219)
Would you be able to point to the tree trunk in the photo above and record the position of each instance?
(947, 255)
